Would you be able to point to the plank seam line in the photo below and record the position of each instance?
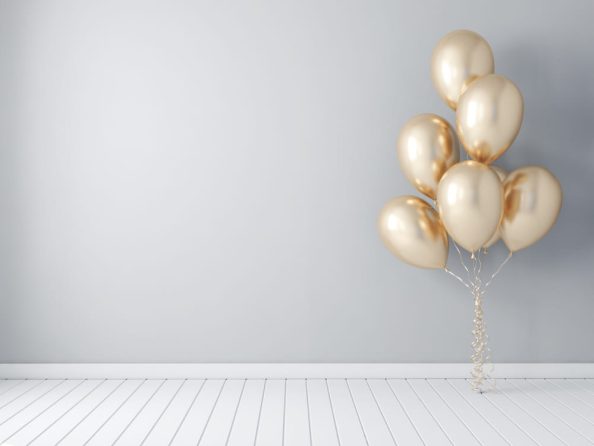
(552, 395)
(308, 413)
(88, 414)
(405, 412)
(571, 393)
(332, 410)
(113, 413)
(187, 412)
(23, 393)
(19, 382)
(429, 412)
(284, 410)
(211, 412)
(357, 412)
(551, 412)
(43, 411)
(453, 411)
(381, 413)
(478, 412)
(496, 406)
(162, 412)
(260, 412)
(139, 412)
(235, 412)
(53, 423)
(532, 416)
(555, 407)
(32, 402)
(590, 391)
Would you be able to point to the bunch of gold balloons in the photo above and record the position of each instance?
(477, 203)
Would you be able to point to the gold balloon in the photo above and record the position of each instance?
(427, 147)
(501, 174)
(470, 203)
(533, 199)
(458, 59)
(489, 117)
(411, 230)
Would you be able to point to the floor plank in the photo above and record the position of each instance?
(585, 384)
(141, 424)
(61, 427)
(270, 428)
(243, 432)
(373, 420)
(12, 393)
(450, 422)
(520, 395)
(37, 407)
(4, 383)
(424, 422)
(100, 414)
(485, 433)
(569, 416)
(42, 421)
(531, 425)
(20, 399)
(505, 426)
(567, 398)
(323, 423)
(196, 418)
(399, 423)
(348, 423)
(166, 426)
(577, 391)
(7, 385)
(297, 430)
(295, 412)
(218, 429)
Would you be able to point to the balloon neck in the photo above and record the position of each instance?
(472, 256)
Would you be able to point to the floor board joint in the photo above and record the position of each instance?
(342, 412)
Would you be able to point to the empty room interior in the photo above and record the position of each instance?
(296, 223)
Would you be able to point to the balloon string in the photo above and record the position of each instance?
(474, 266)
(457, 277)
(482, 366)
(462, 259)
(481, 355)
(499, 268)
(480, 267)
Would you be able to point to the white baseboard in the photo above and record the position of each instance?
(279, 370)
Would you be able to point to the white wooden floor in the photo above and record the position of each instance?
(296, 412)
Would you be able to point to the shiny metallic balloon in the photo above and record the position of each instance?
(427, 147)
(489, 117)
(458, 59)
(501, 174)
(533, 198)
(470, 203)
(411, 230)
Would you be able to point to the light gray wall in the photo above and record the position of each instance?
(200, 181)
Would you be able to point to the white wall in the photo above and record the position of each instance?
(200, 181)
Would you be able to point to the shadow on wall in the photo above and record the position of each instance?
(558, 133)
